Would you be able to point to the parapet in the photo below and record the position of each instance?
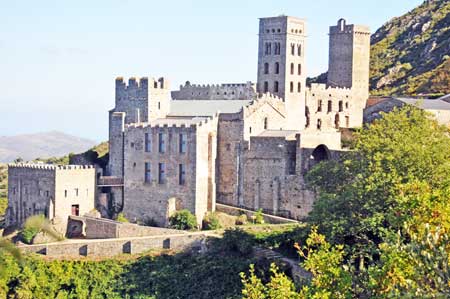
(142, 83)
(168, 123)
(48, 166)
(342, 27)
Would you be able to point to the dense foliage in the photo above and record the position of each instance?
(385, 213)
(183, 220)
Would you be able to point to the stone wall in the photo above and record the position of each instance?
(113, 247)
(53, 191)
(151, 199)
(237, 91)
(236, 211)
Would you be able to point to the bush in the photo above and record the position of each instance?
(28, 233)
(259, 218)
(211, 222)
(183, 220)
(238, 241)
(241, 219)
(121, 218)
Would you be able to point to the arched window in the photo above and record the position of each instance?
(292, 86)
(275, 86)
(277, 68)
(330, 106)
(319, 105)
(341, 108)
(266, 86)
(292, 49)
(266, 125)
(336, 121)
(307, 117)
(299, 87)
(292, 68)
(319, 124)
(299, 69)
(277, 48)
(266, 68)
(268, 49)
(299, 50)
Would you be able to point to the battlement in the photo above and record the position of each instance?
(225, 91)
(176, 123)
(342, 28)
(49, 166)
(320, 87)
(141, 83)
(262, 99)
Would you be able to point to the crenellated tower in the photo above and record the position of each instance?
(349, 55)
(281, 64)
(138, 101)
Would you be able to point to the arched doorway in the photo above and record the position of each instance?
(320, 153)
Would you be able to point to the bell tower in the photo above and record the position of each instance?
(281, 64)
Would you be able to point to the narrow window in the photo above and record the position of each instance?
(346, 105)
(277, 68)
(275, 86)
(266, 68)
(299, 50)
(249, 130)
(266, 124)
(319, 106)
(76, 191)
(266, 86)
(292, 68)
(319, 124)
(162, 173)
(330, 106)
(341, 108)
(65, 193)
(147, 173)
(182, 174)
(162, 143)
(159, 105)
(299, 69)
(347, 121)
(299, 87)
(292, 86)
(292, 49)
(182, 148)
(148, 142)
(307, 116)
(336, 121)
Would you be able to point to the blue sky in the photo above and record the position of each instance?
(58, 59)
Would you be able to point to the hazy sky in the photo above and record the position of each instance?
(58, 59)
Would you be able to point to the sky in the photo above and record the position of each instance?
(59, 59)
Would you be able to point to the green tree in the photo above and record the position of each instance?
(183, 220)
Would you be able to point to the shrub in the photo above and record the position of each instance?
(183, 220)
(121, 218)
(241, 219)
(211, 222)
(259, 218)
(28, 233)
(238, 241)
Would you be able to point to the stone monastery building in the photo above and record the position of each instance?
(246, 145)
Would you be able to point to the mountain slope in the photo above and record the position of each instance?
(41, 145)
(410, 54)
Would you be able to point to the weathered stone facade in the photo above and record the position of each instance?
(53, 191)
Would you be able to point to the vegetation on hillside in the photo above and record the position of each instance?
(410, 54)
(383, 215)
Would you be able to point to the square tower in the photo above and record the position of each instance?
(349, 55)
(281, 65)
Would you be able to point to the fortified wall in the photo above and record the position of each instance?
(231, 91)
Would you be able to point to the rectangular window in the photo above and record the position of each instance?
(182, 143)
(147, 173)
(76, 191)
(162, 143)
(162, 173)
(65, 193)
(182, 174)
(148, 142)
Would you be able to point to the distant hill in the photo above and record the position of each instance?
(410, 54)
(41, 145)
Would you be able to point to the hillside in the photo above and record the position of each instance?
(41, 145)
(410, 54)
